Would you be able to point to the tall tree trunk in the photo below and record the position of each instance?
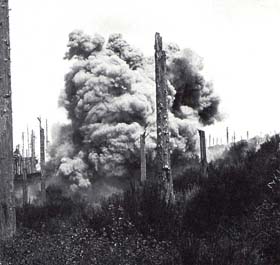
(163, 152)
(7, 202)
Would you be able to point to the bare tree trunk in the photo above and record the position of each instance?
(28, 143)
(42, 163)
(33, 158)
(203, 157)
(24, 184)
(163, 152)
(7, 202)
(23, 148)
(47, 135)
(227, 137)
(143, 157)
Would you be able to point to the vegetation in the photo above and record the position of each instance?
(231, 218)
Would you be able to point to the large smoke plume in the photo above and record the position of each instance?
(110, 99)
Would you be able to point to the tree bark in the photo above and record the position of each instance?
(7, 202)
(163, 152)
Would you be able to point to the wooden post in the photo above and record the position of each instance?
(42, 163)
(143, 157)
(163, 152)
(203, 157)
(7, 201)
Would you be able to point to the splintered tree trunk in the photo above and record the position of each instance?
(203, 157)
(163, 152)
(143, 158)
(7, 203)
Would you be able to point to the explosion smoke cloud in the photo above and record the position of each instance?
(110, 99)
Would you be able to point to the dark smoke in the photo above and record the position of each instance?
(109, 96)
(82, 45)
(184, 69)
(133, 57)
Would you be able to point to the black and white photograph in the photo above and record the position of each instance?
(139, 132)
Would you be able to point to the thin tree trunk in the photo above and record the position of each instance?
(143, 158)
(42, 164)
(33, 162)
(24, 183)
(203, 157)
(227, 137)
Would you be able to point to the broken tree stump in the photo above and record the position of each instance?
(163, 152)
(203, 156)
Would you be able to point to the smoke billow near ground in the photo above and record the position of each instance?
(109, 97)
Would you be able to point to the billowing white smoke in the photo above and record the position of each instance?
(110, 100)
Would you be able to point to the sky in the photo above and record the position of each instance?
(238, 39)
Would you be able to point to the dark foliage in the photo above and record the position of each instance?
(231, 218)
